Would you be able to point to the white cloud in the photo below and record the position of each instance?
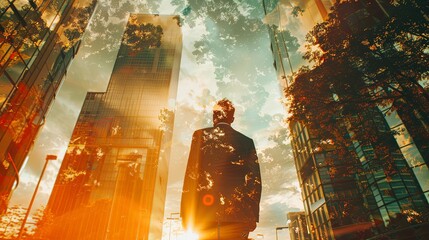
(279, 15)
(287, 198)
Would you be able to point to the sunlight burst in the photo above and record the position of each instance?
(190, 235)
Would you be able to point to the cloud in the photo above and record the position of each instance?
(279, 15)
(288, 199)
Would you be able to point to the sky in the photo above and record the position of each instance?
(226, 53)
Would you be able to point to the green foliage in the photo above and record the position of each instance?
(186, 11)
(297, 11)
(75, 26)
(233, 41)
(140, 36)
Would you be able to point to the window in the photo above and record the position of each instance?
(5, 88)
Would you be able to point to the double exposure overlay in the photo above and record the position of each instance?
(113, 178)
(214, 119)
(38, 40)
(222, 186)
(360, 176)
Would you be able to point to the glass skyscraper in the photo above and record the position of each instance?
(313, 12)
(113, 179)
(352, 197)
(356, 196)
(38, 39)
(297, 225)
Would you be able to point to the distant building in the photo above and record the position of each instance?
(298, 227)
(113, 180)
(38, 40)
(340, 201)
(309, 12)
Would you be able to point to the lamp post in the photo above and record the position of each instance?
(48, 157)
(171, 218)
(279, 228)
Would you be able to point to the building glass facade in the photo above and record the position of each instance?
(113, 178)
(297, 225)
(416, 156)
(333, 200)
(358, 197)
(314, 11)
(34, 55)
(355, 196)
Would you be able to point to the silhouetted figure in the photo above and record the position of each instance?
(222, 186)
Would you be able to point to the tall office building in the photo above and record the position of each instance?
(297, 224)
(113, 179)
(355, 196)
(309, 12)
(38, 40)
(340, 201)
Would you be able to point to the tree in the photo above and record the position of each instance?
(140, 36)
(365, 57)
(17, 38)
(10, 222)
(166, 117)
(44, 221)
(71, 31)
(235, 43)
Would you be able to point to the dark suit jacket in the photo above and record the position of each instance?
(222, 180)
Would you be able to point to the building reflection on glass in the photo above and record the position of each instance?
(339, 201)
(38, 40)
(113, 179)
(298, 227)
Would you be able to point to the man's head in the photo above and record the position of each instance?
(223, 111)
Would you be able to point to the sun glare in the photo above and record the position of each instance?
(190, 235)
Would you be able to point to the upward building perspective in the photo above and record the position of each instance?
(278, 11)
(38, 40)
(298, 226)
(381, 187)
(113, 180)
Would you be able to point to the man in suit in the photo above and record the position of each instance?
(222, 185)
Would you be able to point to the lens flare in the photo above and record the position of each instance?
(190, 235)
(208, 200)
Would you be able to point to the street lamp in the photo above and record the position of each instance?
(279, 228)
(48, 157)
(171, 218)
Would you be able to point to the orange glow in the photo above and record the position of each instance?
(347, 229)
(208, 200)
(190, 235)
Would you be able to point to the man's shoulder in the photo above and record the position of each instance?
(201, 130)
(244, 137)
(236, 133)
(241, 136)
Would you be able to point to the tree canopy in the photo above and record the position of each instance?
(140, 36)
(364, 56)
